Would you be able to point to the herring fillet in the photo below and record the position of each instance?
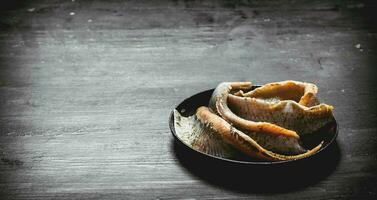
(296, 107)
(242, 141)
(288, 114)
(265, 123)
(201, 137)
(218, 104)
(301, 92)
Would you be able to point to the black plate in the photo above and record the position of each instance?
(188, 107)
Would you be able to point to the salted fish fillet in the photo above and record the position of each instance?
(286, 141)
(218, 104)
(226, 134)
(301, 92)
(289, 104)
(201, 137)
(288, 114)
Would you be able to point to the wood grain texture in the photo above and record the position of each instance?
(86, 89)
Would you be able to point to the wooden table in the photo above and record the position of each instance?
(86, 89)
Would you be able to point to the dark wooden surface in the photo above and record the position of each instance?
(86, 89)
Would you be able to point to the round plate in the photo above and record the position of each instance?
(188, 107)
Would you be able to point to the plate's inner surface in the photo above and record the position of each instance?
(189, 106)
